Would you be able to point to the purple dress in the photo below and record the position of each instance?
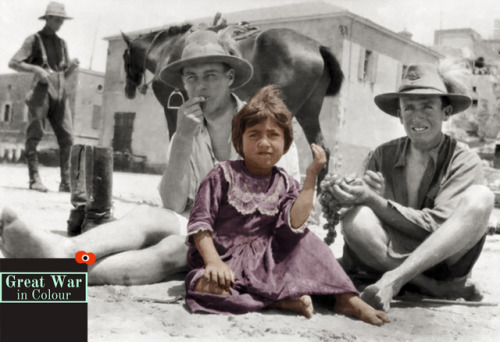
(248, 217)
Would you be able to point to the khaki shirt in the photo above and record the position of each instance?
(439, 191)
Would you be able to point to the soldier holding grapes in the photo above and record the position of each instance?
(419, 214)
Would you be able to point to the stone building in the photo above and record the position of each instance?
(372, 58)
(482, 121)
(84, 89)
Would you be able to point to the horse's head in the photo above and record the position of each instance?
(151, 51)
(134, 68)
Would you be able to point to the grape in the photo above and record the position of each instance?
(330, 205)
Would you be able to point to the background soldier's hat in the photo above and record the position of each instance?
(419, 80)
(55, 9)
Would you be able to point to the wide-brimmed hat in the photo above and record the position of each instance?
(55, 9)
(203, 47)
(421, 80)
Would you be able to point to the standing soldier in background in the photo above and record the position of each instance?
(45, 55)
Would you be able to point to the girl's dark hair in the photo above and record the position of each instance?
(265, 104)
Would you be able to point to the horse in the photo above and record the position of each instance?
(304, 70)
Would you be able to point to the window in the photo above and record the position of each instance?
(367, 71)
(124, 126)
(367, 64)
(7, 112)
(96, 117)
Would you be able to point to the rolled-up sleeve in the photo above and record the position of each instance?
(24, 54)
(464, 170)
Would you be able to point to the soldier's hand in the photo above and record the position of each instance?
(190, 116)
(74, 62)
(356, 192)
(73, 65)
(42, 74)
(376, 181)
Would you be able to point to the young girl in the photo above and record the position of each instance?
(251, 246)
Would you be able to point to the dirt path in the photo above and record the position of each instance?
(117, 314)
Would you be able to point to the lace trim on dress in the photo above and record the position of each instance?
(302, 228)
(248, 195)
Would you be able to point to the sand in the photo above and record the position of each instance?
(119, 313)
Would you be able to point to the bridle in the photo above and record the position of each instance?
(145, 84)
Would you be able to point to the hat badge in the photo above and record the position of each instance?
(413, 75)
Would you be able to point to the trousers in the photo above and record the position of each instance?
(49, 101)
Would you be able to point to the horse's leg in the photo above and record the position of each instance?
(308, 118)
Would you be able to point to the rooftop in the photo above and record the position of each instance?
(290, 12)
(262, 14)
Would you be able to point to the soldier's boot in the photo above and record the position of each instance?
(78, 188)
(35, 181)
(64, 161)
(99, 187)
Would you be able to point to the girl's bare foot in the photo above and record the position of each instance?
(352, 305)
(302, 305)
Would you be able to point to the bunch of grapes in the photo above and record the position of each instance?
(330, 205)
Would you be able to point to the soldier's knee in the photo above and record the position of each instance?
(155, 219)
(172, 251)
(144, 211)
(357, 220)
(478, 200)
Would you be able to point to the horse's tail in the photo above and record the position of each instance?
(333, 67)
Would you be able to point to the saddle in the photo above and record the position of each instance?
(239, 31)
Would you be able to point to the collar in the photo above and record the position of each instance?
(402, 150)
(47, 31)
(401, 161)
(239, 104)
(204, 131)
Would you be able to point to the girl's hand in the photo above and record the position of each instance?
(220, 273)
(319, 160)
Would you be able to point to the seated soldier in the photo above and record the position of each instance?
(421, 210)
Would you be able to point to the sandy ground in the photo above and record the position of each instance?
(117, 314)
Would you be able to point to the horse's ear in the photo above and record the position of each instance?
(125, 38)
(217, 17)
